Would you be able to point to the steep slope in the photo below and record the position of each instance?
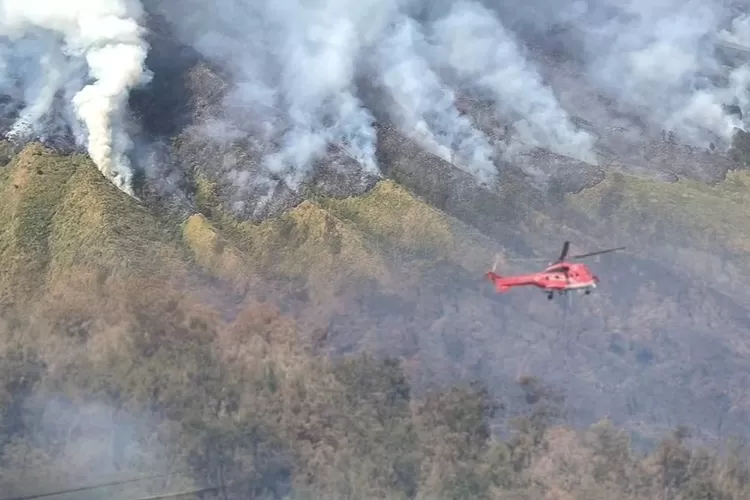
(389, 272)
(427, 302)
(106, 301)
(698, 227)
(64, 226)
(185, 332)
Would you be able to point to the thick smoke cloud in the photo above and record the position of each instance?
(87, 54)
(656, 59)
(296, 70)
(660, 61)
(296, 66)
(425, 106)
(318, 48)
(473, 43)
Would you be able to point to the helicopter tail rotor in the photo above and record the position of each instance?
(496, 262)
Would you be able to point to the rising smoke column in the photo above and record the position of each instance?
(55, 46)
(738, 88)
(472, 42)
(657, 59)
(425, 106)
(654, 59)
(293, 66)
(318, 44)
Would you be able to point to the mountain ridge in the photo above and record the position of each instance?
(339, 340)
(399, 249)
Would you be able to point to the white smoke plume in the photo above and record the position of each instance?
(86, 53)
(425, 105)
(473, 43)
(660, 61)
(739, 32)
(655, 59)
(319, 47)
(738, 90)
(295, 67)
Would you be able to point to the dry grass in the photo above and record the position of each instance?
(331, 242)
(62, 221)
(64, 224)
(695, 212)
(392, 215)
(58, 214)
(414, 229)
(31, 187)
(307, 242)
(214, 253)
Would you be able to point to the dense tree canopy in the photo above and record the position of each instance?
(171, 388)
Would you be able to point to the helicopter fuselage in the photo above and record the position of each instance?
(558, 277)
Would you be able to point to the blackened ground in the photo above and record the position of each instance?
(184, 109)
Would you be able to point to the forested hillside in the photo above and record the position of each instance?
(243, 246)
(137, 345)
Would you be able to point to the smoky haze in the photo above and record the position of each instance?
(303, 60)
(656, 59)
(73, 64)
(295, 67)
(661, 58)
(82, 444)
(485, 56)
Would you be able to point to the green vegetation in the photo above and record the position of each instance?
(695, 227)
(412, 228)
(331, 242)
(690, 211)
(118, 358)
(59, 217)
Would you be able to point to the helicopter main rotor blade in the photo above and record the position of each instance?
(564, 253)
(599, 252)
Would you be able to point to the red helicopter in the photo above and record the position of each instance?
(560, 276)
